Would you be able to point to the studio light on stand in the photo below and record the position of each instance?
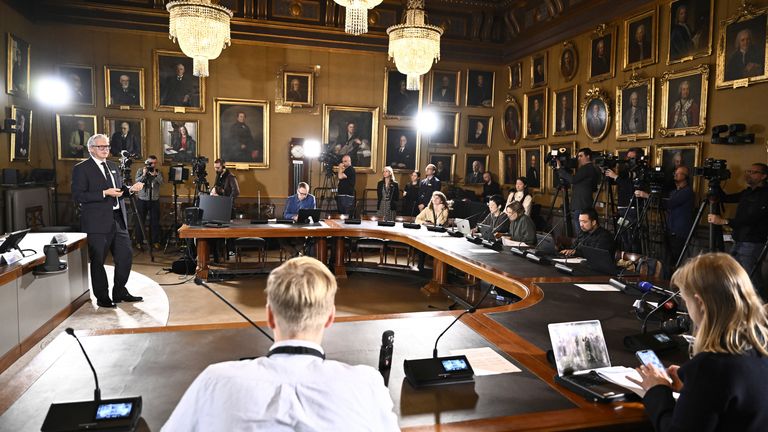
(312, 150)
(427, 122)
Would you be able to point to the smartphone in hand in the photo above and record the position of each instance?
(648, 357)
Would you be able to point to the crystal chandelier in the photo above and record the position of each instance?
(414, 45)
(202, 29)
(356, 19)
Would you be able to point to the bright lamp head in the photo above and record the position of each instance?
(52, 92)
(312, 148)
(427, 122)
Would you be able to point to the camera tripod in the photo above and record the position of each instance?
(605, 185)
(173, 234)
(713, 202)
(126, 173)
(327, 197)
(562, 186)
(201, 186)
(642, 225)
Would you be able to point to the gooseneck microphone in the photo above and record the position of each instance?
(656, 309)
(472, 309)
(97, 391)
(385, 354)
(200, 282)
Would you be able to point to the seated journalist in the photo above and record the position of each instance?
(591, 234)
(521, 226)
(293, 387)
(724, 387)
(436, 213)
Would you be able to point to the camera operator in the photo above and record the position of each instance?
(623, 176)
(584, 183)
(345, 196)
(149, 201)
(226, 183)
(749, 225)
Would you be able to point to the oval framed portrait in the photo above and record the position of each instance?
(510, 124)
(569, 61)
(596, 114)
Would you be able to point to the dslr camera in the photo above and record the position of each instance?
(198, 169)
(149, 166)
(564, 156)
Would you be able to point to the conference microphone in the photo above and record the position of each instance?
(96, 414)
(200, 282)
(657, 340)
(532, 254)
(385, 354)
(645, 286)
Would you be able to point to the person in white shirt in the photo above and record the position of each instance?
(292, 388)
(521, 195)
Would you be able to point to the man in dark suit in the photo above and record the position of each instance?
(180, 90)
(21, 149)
(479, 94)
(429, 184)
(125, 139)
(564, 120)
(403, 157)
(98, 189)
(446, 92)
(124, 94)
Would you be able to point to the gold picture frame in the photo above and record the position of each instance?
(476, 135)
(512, 121)
(642, 89)
(669, 156)
(336, 120)
(302, 95)
(736, 68)
(515, 75)
(532, 166)
(509, 166)
(17, 61)
(602, 54)
(67, 135)
(640, 43)
(169, 96)
(596, 114)
(683, 117)
(539, 70)
(408, 161)
(687, 39)
(565, 122)
(550, 175)
(621, 152)
(112, 129)
(20, 140)
(569, 61)
(241, 132)
(480, 96)
(446, 98)
(446, 137)
(533, 128)
(469, 160)
(396, 104)
(176, 149)
(81, 80)
(438, 158)
(116, 94)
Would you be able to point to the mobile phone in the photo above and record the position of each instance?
(648, 357)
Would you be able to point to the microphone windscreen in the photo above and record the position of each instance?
(70, 331)
(387, 337)
(645, 286)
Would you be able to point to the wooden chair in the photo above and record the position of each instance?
(253, 243)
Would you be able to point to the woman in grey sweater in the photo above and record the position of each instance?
(521, 226)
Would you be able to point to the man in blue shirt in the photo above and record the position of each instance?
(301, 200)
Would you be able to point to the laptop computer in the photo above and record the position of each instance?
(308, 216)
(600, 260)
(464, 226)
(579, 350)
(216, 209)
(486, 232)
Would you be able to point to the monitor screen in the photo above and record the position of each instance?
(216, 208)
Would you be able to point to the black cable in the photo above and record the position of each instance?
(179, 283)
(470, 310)
(27, 250)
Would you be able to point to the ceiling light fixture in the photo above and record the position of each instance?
(202, 29)
(414, 45)
(356, 18)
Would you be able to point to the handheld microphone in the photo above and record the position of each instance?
(385, 354)
(200, 282)
(97, 391)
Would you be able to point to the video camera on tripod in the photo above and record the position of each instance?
(125, 162)
(198, 170)
(563, 156)
(330, 159)
(714, 171)
(647, 178)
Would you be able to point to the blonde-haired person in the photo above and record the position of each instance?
(387, 194)
(436, 213)
(724, 387)
(312, 393)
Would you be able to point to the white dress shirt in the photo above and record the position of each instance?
(285, 392)
(110, 179)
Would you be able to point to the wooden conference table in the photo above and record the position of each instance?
(160, 363)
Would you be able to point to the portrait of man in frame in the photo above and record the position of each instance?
(298, 89)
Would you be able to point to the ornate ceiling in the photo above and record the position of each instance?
(488, 31)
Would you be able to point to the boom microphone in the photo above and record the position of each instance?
(200, 282)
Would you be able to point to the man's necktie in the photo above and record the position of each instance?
(111, 180)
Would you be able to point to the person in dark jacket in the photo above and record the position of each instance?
(591, 234)
(387, 195)
(584, 183)
(411, 195)
(490, 186)
(725, 385)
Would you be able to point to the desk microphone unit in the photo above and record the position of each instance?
(386, 223)
(533, 257)
(411, 225)
(455, 233)
(495, 245)
(517, 251)
(353, 221)
(657, 340)
(564, 268)
(436, 228)
(473, 239)
(98, 414)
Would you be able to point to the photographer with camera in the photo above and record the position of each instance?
(584, 183)
(750, 230)
(149, 201)
(623, 174)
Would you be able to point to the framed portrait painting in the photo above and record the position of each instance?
(634, 109)
(565, 111)
(241, 132)
(741, 50)
(480, 87)
(551, 178)
(508, 166)
(510, 126)
(298, 89)
(398, 100)
(17, 73)
(447, 133)
(353, 131)
(124, 87)
(444, 87)
(621, 153)
(670, 157)
(175, 88)
(127, 134)
(79, 79)
(21, 138)
(596, 114)
(539, 70)
(684, 102)
(535, 114)
(445, 164)
(569, 61)
(531, 166)
(515, 75)
(73, 132)
(690, 30)
(474, 167)
(602, 53)
(640, 39)
(179, 139)
(479, 131)
(401, 148)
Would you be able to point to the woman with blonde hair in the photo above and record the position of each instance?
(387, 194)
(724, 387)
(436, 213)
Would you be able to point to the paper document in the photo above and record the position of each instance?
(618, 375)
(507, 242)
(569, 260)
(483, 250)
(597, 287)
(486, 361)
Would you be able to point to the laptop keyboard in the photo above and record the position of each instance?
(590, 379)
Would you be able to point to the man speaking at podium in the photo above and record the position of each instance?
(97, 187)
(293, 387)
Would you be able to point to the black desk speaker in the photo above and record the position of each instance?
(193, 216)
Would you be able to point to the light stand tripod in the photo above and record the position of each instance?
(605, 185)
(125, 170)
(714, 207)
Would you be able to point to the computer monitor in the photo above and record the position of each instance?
(12, 240)
(216, 208)
(305, 214)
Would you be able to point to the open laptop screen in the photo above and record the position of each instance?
(578, 346)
